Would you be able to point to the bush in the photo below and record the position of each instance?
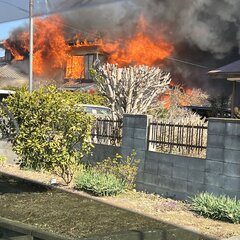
(220, 208)
(98, 184)
(52, 135)
(124, 169)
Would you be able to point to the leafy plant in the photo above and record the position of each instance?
(220, 208)
(125, 169)
(52, 134)
(3, 159)
(98, 184)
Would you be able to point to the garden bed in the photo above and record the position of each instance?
(83, 216)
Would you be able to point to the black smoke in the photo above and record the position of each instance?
(205, 33)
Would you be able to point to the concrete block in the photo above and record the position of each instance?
(165, 158)
(214, 167)
(233, 129)
(216, 154)
(127, 142)
(215, 141)
(165, 169)
(140, 133)
(232, 194)
(164, 182)
(178, 185)
(180, 161)
(150, 179)
(180, 173)
(232, 183)
(141, 186)
(197, 164)
(151, 166)
(140, 144)
(195, 176)
(141, 121)
(128, 132)
(231, 169)
(232, 142)
(128, 121)
(214, 179)
(194, 188)
(214, 190)
(231, 156)
(216, 128)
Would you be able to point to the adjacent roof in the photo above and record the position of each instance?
(9, 72)
(11, 76)
(231, 70)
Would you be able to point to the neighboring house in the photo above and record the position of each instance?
(11, 76)
(82, 56)
(230, 72)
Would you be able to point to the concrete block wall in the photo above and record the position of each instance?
(135, 131)
(101, 152)
(223, 157)
(172, 175)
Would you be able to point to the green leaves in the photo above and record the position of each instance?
(221, 208)
(98, 184)
(125, 169)
(52, 134)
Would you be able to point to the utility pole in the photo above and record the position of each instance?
(30, 45)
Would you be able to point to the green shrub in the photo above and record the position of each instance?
(125, 169)
(98, 184)
(220, 208)
(52, 134)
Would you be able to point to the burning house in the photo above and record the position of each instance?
(67, 60)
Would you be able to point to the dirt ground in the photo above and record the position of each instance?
(166, 210)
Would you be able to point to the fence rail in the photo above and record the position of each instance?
(186, 139)
(107, 131)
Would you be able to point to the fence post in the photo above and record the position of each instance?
(135, 136)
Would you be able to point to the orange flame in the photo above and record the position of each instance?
(52, 53)
(50, 49)
(75, 67)
(141, 49)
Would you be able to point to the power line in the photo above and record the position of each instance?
(186, 62)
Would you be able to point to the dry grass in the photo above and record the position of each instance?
(167, 210)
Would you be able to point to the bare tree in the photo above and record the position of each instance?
(130, 89)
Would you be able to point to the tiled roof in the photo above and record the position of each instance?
(9, 72)
(230, 70)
